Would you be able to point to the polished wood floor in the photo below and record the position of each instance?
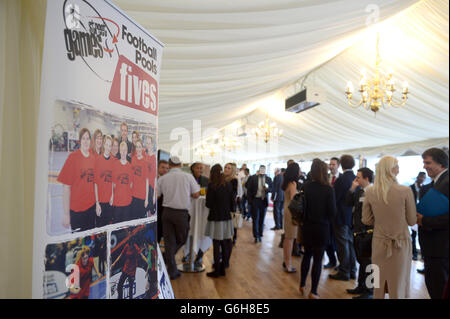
(256, 273)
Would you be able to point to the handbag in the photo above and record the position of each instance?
(237, 219)
(297, 208)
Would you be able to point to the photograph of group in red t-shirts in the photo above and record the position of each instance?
(97, 176)
(133, 273)
(76, 269)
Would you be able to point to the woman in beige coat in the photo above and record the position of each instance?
(390, 208)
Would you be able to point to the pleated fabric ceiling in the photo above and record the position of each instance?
(233, 61)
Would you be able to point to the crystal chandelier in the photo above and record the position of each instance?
(267, 130)
(378, 91)
(206, 150)
(230, 143)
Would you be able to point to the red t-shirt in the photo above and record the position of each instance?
(85, 278)
(96, 155)
(122, 178)
(103, 178)
(131, 259)
(78, 173)
(151, 167)
(140, 175)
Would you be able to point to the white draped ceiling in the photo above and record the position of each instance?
(228, 61)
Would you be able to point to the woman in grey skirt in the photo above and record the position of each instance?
(219, 200)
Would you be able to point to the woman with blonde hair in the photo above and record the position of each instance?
(390, 208)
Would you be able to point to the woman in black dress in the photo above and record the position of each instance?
(319, 212)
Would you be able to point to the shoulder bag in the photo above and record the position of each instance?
(297, 207)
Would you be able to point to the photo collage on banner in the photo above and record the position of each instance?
(164, 285)
(95, 206)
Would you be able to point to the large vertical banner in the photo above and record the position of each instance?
(94, 227)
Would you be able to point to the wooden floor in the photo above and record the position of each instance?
(256, 273)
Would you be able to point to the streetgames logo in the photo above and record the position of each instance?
(93, 38)
(90, 36)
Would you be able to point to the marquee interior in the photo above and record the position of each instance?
(227, 63)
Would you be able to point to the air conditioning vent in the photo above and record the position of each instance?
(304, 100)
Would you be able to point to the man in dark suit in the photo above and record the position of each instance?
(258, 188)
(331, 249)
(416, 189)
(342, 225)
(278, 199)
(433, 231)
(362, 238)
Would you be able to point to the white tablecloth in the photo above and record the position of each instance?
(199, 217)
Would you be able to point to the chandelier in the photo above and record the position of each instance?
(230, 143)
(267, 131)
(378, 91)
(207, 150)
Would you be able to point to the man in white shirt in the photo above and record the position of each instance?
(177, 188)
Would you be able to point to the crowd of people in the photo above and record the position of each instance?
(108, 180)
(367, 219)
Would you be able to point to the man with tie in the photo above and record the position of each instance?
(331, 249)
(362, 239)
(334, 170)
(342, 225)
(258, 188)
(433, 230)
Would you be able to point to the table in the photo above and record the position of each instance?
(196, 238)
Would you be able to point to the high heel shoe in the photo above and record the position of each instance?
(302, 291)
(313, 296)
(289, 270)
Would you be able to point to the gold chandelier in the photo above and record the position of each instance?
(378, 91)
(230, 143)
(206, 150)
(267, 130)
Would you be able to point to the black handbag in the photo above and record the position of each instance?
(297, 207)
